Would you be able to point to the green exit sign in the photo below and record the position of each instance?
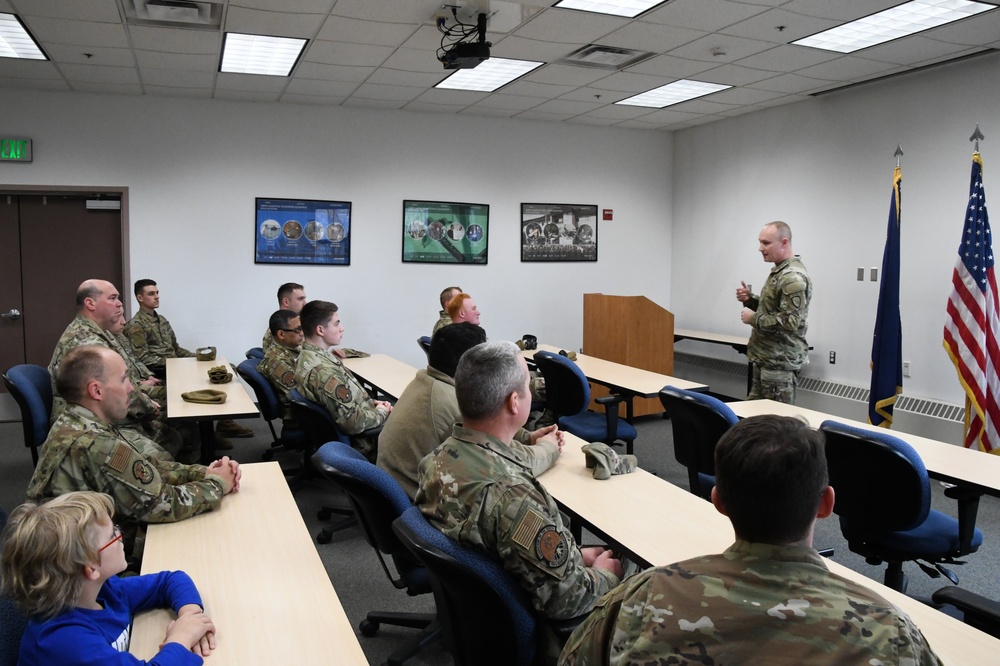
(15, 149)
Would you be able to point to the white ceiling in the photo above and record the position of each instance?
(381, 53)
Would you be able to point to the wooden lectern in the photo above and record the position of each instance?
(631, 330)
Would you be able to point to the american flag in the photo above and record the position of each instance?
(970, 332)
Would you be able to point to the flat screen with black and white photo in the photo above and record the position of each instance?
(558, 232)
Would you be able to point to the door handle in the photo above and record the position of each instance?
(13, 315)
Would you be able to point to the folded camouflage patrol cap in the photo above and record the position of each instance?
(205, 353)
(219, 375)
(206, 396)
(605, 461)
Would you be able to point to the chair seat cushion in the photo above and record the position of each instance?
(593, 427)
(936, 538)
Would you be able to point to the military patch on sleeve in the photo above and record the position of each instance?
(526, 529)
(550, 545)
(343, 393)
(142, 471)
(120, 457)
(288, 379)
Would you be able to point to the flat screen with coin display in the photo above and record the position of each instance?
(558, 232)
(445, 232)
(300, 231)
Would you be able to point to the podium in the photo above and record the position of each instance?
(631, 330)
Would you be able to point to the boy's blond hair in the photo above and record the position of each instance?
(45, 547)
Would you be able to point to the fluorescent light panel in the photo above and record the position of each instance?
(16, 41)
(894, 23)
(489, 75)
(260, 54)
(672, 93)
(627, 8)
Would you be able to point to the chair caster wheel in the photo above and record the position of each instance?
(324, 537)
(368, 628)
(324, 514)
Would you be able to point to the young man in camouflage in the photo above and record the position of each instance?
(443, 317)
(280, 359)
(291, 296)
(777, 318)
(478, 492)
(769, 598)
(85, 451)
(321, 377)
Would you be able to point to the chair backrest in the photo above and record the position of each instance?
(698, 421)
(31, 386)
(484, 614)
(424, 341)
(255, 352)
(567, 392)
(880, 481)
(267, 397)
(315, 421)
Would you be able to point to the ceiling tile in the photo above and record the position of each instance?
(591, 120)
(652, 37)
(734, 75)
(668, 116)
(392, 11)
(99, 74)
(847, 68)
(374, 103)
(532, 89)
(511, 102)
(395, 77)
(486, 111)
(744, 96)
(567, 74)
(588, 94)
(314, 70)
(29, 69)
(178, 79)
(34, 84)
(569, 27)
(379, 91)
(426, 38)
(791, 83)
(567, 106)
(82, 33)
(294, 6)
(701, 106)
(914, 48)
(278, 24)
(721, 48)
(107, 88)
(250, 82)
(985, 28)
(312, 99)
(765, 27)
(357, 31)
(530, 49)
(412, 60)
(619, 112)
(181, 61)
(435, 108)
(67, 53)
(705, 15)
(637, 124)
(342, 53)
(841, 11)
(534, 115)
(246, 95)
(171, 91)
(105, 11)
(448, 96)
(629, 82)
(670, 67)
(788, 58)
(176, 40)
(340, 89)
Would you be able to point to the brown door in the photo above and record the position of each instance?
(61, 243)
(11, 323)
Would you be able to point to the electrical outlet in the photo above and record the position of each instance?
(906, 368)
(833, 357)
(874, 274)
(861, 275)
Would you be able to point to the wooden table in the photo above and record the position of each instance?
(660, 523)
(383, 373)
(260, 578)
(737, 342)
(190, 374)
(948, 462)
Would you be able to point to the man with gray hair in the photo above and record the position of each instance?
(476, 491)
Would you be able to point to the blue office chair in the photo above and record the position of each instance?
(698, 421)
(255, 352)
(424, 342)
(378, 500)
(31, 386)
(291, 439)
(567, 395)
(12, 621)
(485, 616)
(884, 504)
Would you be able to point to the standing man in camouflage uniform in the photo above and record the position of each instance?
(770, 588)
(85, 451)
(280, 359)
(291, 296)
(152, 340)
(778, 318)
(443, 317)
(321, 377)
(478, 492)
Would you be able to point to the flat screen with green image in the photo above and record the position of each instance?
(443, 232)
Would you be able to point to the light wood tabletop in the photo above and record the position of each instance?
(737, 342)
(947, 462)
(190, 374)
(260, 578)
(661, 523)
(382, 372)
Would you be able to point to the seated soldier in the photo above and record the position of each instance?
(321, 377)
(443, 317)
(291, 296)
(426, 412)
(769, 598)
(462, 308)
(278, 365)
(476, 491)
(84, 451)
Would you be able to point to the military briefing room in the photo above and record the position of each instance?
(130, 111)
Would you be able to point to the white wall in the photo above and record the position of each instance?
(825, 167)
(193, 168)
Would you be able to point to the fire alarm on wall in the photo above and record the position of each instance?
(608, 214)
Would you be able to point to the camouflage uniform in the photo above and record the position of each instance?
(268, 340)
(754, 603)
(424, 417)
(144, 415)
(83, 453)
(478, 493)
(443, 320)
(322, 378)
(778, 347)
(278, 367)
(152, 339)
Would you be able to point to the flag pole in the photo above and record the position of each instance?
(976, 136)
(899, 151)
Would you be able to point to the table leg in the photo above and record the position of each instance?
(206, 430)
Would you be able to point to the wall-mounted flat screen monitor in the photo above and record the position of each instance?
(302, 231)
(445, 232)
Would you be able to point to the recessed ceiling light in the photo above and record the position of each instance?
(489, 75)
(627, 8)
(672, 93)
(260, 54)
(901, 21)
(16, 41)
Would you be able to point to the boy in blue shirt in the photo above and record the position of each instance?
(60, 563)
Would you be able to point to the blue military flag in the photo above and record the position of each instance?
(887, 346)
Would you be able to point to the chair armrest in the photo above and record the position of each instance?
(610, 404)
(968, 509)
(979, 612)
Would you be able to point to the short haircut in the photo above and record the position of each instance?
(285, 290)
(46, 546)
(142, 284)
(279, 320)
(455, 304)
(445, 296)
(784, 231)
(450, 342)
(770, 472)
(88, 289)
(316, 313)
(78, 367)
(486, 376)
